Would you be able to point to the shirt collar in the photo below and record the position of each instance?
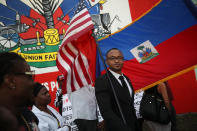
(116, 75)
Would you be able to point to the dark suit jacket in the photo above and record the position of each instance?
(109, 108)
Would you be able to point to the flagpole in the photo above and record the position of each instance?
(107, 73)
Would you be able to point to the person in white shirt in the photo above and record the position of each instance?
(49, 118)
(84, 108)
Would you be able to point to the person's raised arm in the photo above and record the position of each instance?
(162, 89)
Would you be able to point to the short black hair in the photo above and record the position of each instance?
(37, 87)
(111, 50)
(8, 63)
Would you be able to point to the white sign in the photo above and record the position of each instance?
(67, 113)
(137, 100)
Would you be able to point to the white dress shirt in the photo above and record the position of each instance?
(48, 122)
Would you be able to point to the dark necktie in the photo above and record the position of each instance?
(124, 84)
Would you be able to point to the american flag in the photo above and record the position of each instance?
(70, 60)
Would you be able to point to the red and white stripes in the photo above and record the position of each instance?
(70, 61)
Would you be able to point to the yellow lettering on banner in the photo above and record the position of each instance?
(51, 56)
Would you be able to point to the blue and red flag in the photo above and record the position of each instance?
(158, 45)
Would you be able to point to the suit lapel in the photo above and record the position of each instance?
(119, 89)
(130, 86)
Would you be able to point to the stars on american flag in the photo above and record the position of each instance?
(81, 5)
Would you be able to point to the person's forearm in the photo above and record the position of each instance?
(163, 91)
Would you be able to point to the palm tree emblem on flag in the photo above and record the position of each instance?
(144, 52)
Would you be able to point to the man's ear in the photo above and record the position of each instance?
(9, 81)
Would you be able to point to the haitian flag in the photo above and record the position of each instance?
(158, 45)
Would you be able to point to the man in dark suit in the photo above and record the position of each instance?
(124, 92)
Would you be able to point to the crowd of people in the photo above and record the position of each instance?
(24, 103)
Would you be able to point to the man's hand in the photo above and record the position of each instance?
(101, 126)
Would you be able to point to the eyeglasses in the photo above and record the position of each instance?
(116, 58)
(29, 74)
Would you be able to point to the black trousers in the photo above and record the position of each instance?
(86, 125)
